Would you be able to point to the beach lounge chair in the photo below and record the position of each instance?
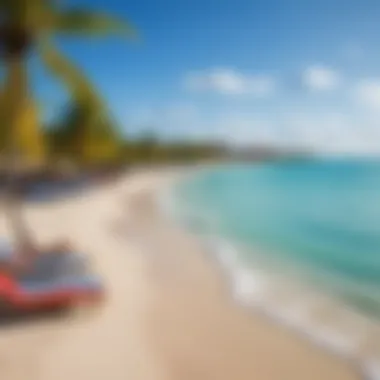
(54, 279)
(48, 264)
(5, 252)
(45, 295)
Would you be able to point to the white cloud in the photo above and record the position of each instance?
(367, 92)
(320, 78)
(246, 128)
(327, 133)
(320, 132)
(350, 131)
(323, 132)
(230, 82)
(334, 133)
(172, 119)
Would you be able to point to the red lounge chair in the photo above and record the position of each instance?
(40, 295)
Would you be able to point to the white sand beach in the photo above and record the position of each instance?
(168, 313)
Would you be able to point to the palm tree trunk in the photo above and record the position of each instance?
(16, 96)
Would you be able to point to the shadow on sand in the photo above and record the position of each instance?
(10, 317)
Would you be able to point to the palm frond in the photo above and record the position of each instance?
(6, 5)
(32, 15)
(78, 21)
(88, 115)
(79, 87)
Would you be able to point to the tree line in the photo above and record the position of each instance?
(70, 137)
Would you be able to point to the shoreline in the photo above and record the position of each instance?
(169, 314)
(207, 262)
(325, 322)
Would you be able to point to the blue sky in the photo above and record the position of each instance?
(284, 72)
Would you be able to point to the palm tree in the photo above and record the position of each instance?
(76, 136)
(27, 26)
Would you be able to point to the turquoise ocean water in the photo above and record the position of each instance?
(303, 240)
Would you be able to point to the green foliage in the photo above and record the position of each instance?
(148, 149)
(79, 21)
(81, 90)
(31, 24)
(29, 140)
(73, 137)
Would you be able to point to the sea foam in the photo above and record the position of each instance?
(346, 333)
(293, 305)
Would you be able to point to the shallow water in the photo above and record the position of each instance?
(301, 241)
